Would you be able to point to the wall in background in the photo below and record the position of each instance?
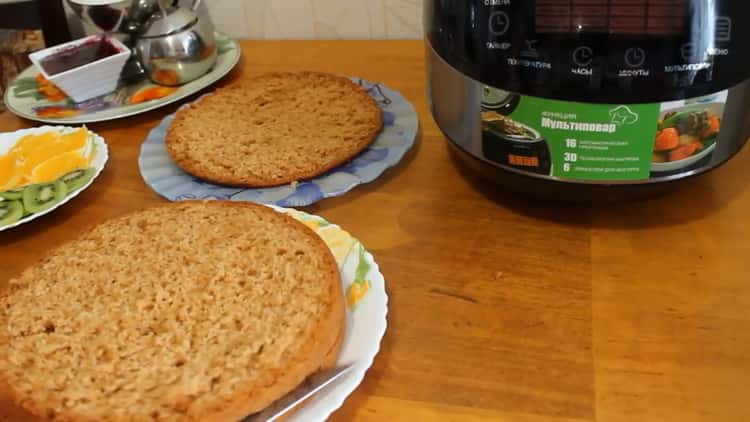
(324, 19)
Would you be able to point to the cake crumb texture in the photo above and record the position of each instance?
(187, 311)
(274, 129)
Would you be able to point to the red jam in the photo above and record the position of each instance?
(78, 55)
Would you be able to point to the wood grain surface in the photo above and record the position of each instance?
(501, 307)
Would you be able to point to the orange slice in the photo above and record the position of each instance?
(28, 143)
(47, 148)
(10, 174)
(76, 139)
(58, 166)
(151, 93)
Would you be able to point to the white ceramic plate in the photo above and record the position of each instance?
(30, 99)
(8, 139)
(365, 322)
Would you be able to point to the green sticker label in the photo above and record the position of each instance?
(599, 142)
(592, 141)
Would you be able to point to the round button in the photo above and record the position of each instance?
(635, 57)
(583, 56)
(499, 23)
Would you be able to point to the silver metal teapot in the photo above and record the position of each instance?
(172, 44)
(177, 45)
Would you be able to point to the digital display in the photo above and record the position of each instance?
(627, 17)
(522, 160)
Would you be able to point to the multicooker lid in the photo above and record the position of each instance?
(595, 50)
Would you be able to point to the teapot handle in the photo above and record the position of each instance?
(195, 5)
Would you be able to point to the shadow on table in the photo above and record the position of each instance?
(678, 203)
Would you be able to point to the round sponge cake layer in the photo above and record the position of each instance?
(188, 311)
(274, 129)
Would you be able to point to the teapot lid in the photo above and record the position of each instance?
(165, 23)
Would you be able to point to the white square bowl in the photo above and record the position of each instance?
(90, 80)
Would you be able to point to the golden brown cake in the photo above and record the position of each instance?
(274, 129)
(190, 311)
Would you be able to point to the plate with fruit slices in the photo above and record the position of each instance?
(44, 167)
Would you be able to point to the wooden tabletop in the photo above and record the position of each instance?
(501, 307)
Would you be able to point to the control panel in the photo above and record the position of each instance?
(632, 17)
(628, 50)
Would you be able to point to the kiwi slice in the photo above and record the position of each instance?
(77, 178)
(43, 196)
(12, 194)
(10, 212)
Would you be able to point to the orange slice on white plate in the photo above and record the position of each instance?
(31, 142)
(10, 174)
(58, 166)
(45, 157)
(76, 139)
(46, 147)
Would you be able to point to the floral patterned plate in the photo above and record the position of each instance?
(400, 125)
(33, 97)
(366, 310)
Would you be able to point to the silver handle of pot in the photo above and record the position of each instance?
(196, 4)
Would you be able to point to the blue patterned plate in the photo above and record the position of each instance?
(400, 126)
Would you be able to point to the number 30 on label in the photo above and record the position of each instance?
(569, 157)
